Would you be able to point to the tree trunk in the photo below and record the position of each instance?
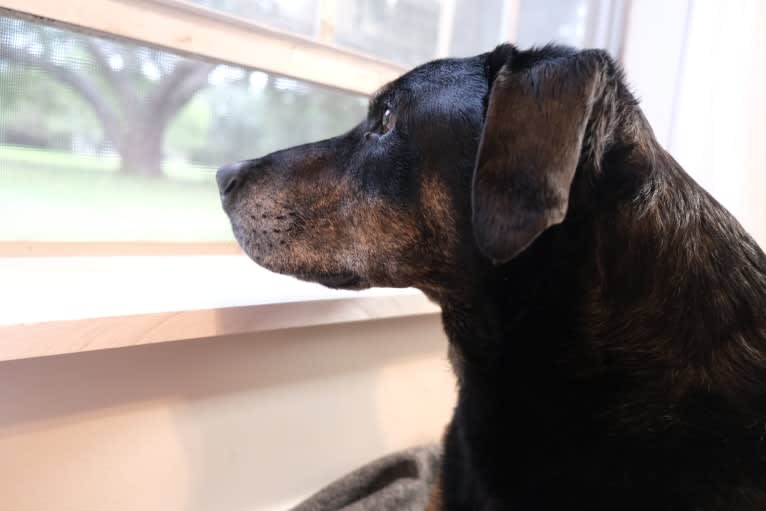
(137, 136)
(140, 149)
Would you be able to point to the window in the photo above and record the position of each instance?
(110, 134)
(104, 140)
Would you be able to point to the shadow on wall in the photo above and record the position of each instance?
(240, 423)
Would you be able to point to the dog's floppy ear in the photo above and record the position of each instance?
(531, 145)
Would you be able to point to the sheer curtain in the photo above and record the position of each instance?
(699, 68)
(714, 129)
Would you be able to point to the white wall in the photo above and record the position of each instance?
(755, 196)
(220, 425)
(652, 55)
(711, 132)
(697, 66)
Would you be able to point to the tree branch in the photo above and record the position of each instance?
(75, 81)
(125, 95)
(177, 88)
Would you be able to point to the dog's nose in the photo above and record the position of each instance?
(229, 178)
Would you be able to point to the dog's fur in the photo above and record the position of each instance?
(605, 314)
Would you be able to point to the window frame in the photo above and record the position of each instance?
(186, 28)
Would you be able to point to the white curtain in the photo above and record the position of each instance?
(699, 67)
(714, 104)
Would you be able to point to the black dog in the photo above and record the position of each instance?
(605, 314)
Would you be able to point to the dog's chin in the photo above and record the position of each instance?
(341, 280)
(334, 280)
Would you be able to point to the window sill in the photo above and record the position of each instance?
(52, 306)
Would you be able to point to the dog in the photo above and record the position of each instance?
(605, 314)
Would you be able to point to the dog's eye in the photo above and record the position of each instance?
(387, 120)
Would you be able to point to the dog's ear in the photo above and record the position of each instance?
(536, 118)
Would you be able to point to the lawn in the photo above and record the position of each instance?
(49, 196)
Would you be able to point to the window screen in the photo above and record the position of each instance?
(103, 140)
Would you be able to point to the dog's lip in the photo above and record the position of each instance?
(339, 280)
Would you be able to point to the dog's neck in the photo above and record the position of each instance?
(544, 285)
(647, 272)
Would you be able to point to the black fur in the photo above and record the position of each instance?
(605, 314)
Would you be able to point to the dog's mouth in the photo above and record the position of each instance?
(342, 280)
(274, 260)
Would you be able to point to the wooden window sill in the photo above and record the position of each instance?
(51, 306)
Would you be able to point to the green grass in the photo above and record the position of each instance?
(47, 159)
(48, 196)
(57, 159)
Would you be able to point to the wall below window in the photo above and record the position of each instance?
(238, 423)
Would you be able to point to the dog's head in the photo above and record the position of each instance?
(459, 162)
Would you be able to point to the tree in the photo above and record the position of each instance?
(254, 113)
(134, 92)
